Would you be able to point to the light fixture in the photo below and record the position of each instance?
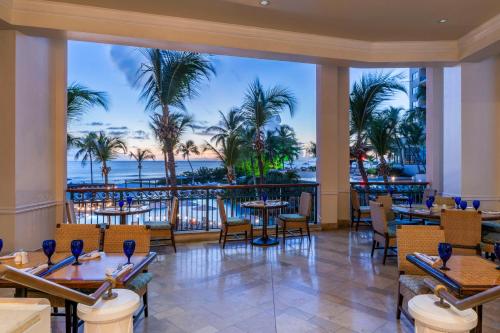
(443, 20)
(265, 2)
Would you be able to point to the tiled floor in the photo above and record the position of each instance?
(330, 285)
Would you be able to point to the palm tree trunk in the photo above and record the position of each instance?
(165, 163)
(192, 171)
(384, 170)
(139, 166)
(252, 165)
(361, 168)
(261, 167)
(105, 172)
(230, 174)
(91, 169)
(171, 166)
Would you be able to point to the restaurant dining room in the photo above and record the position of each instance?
(249, 166)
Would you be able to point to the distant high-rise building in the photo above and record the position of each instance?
(417, 79)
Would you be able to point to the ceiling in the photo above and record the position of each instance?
(370, 20)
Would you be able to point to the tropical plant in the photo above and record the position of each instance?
(382, 133)
(86, 151)
(140, 156)
(229, 152)
(168, 79)
(311, 149)
(248, 153)
(260, 107)
(80, 99)
(366, 97)
(168, 133)
(230, 124)
(186, 149)
(413, 138)
(288, 145)
(108, 148)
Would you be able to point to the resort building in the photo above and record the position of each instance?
(304, 260)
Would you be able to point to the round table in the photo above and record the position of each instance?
(265, 240)
(123, 212)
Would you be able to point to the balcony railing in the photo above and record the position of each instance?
(400, 190)
(197, 204)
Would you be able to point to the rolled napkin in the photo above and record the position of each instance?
(8, 256)
(493, 212)
(35, 270)
(119, 271)
(433, 261)
(90, 256)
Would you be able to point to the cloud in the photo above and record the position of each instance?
(127, 60)
(118, 133)
(95, 123)
(118, 128)
(140, 135)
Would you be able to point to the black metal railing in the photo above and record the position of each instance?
(197, 204)
(400, 190)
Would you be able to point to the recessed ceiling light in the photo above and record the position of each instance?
(265, 2)
(443, 20)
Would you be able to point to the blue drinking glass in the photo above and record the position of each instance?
(476, 204)
(121, 203)
(49, 247)
(457, 201)
(432, 198)
(410, 201)
(76, 250)
(428, 203)
(445, 250)
(463, 204)
(128, 248)
(1, 244)
(391, 191)
(496, 249)
(129, 201)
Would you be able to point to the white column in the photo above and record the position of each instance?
(332, 137)
(471, 135)
(33, 148)
(434, 127)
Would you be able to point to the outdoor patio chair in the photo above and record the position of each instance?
(70, 212)
(462, 229)
(410, 239)
(386, 201)
(114, 235)
(298, 221)
(232, 225)
(383, 232)
(358, 213)
(165, 231)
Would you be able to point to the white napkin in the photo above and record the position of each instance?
(8, 256)
(119, 271)
(35, 270)
(434, 261)
(90, 256)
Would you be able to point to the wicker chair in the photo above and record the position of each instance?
(447, 201)
(428, 192)
(114, 236)
(296, 221)
(164, 231)
(91, 235)
(410, 239)
(358, 213)
(382, 231)
(232, 225)
(386, 201)
(70, 212)
(462, 229)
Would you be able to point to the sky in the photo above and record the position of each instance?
(113, 68)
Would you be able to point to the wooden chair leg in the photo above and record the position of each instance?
(308, 231)
(246, 236)
(284, 231)
(225, 237)
(220, 235)
(301, 234)
(172, 237)
(358, 220)
(386, 248)
(67, 314)
(373, 247)
(400, 302)
(145, 302)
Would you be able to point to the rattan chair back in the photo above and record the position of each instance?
(222, 210)
(386, 201)
(448, 201)
(70, 212)
(379, 220)
(305, 204)
(114, 235)
(174, 211)
(355, 203)
(89, 233)
(462, 228)
(417, 238)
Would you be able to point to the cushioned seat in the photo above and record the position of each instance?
(158, 225)
(491, 238)
(404, 222)
(236, 220)
(140, 282)
(491, 226)
(432, 223)
(391, 230)
(292, 217)
(415, 283)
(364, 209)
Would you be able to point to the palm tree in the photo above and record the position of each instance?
(170, 78)
(311, 149)
(140, 156)
(186, 149)
(413, 135)
(260, 106)
(247, 137)
(169, 132)
(288, 146)
(229, 152)
(108, 148)
(229, 124)
(86, 150)
(382, 133)
(366, 97)
(80, 100)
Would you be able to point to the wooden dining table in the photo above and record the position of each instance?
(89, 276)
(422, 212)
(467, 276)
(265, 207)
